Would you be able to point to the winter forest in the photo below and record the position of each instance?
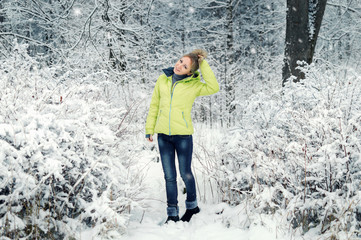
(277, 151)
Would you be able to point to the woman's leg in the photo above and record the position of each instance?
(167, 155)
(184, 148)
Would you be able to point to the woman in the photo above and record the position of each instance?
(170, 116)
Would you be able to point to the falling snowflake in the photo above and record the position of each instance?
(191, 9)
(77, 11)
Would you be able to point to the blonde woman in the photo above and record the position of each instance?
(170, 117)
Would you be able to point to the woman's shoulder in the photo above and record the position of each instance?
(162, 78)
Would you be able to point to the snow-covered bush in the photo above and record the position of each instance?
(63, 165)
(297, 153)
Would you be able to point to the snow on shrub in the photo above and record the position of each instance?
(63, 165)
(297, 153)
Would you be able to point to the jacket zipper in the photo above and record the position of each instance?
(171, 98)
(170, 107)
(184, 119)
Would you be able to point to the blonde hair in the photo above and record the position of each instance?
(196, 57)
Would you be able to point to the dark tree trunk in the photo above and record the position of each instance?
(117, 61)
(229, 79)
(301, 34)
(1, 17)
(318, 12)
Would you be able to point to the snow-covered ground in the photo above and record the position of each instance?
(216, 220)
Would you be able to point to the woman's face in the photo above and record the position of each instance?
(183, 66)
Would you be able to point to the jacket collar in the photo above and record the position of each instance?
(169, 72)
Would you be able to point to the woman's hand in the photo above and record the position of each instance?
(150, 139)
(200, 58)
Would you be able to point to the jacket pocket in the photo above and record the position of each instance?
(184, 119)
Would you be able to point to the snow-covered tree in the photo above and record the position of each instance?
(297, 153)
(64, 165)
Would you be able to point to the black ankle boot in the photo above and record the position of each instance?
(189, 213)
(172, 218)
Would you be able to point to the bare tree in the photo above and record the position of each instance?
(229, 80)
(117, 60)
(303, 25)
(2, 20)
(1, 15)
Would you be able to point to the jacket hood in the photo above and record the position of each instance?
(168, 71)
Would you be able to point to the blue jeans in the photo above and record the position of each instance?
(183, 145)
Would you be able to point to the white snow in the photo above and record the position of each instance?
(77, 11)
(294, 154)
(217, 220)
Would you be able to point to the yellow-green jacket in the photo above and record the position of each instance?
(170, 107)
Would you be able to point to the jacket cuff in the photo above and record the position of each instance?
(147, 135)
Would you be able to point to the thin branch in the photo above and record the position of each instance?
(31, 40)
(67, 11)
(84, 28)
(346, 7)
(149, 8)
(36, 3)
(35, 14)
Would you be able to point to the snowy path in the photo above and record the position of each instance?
(205, 225)
(145, 224)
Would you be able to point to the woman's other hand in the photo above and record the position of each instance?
(150, 139)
